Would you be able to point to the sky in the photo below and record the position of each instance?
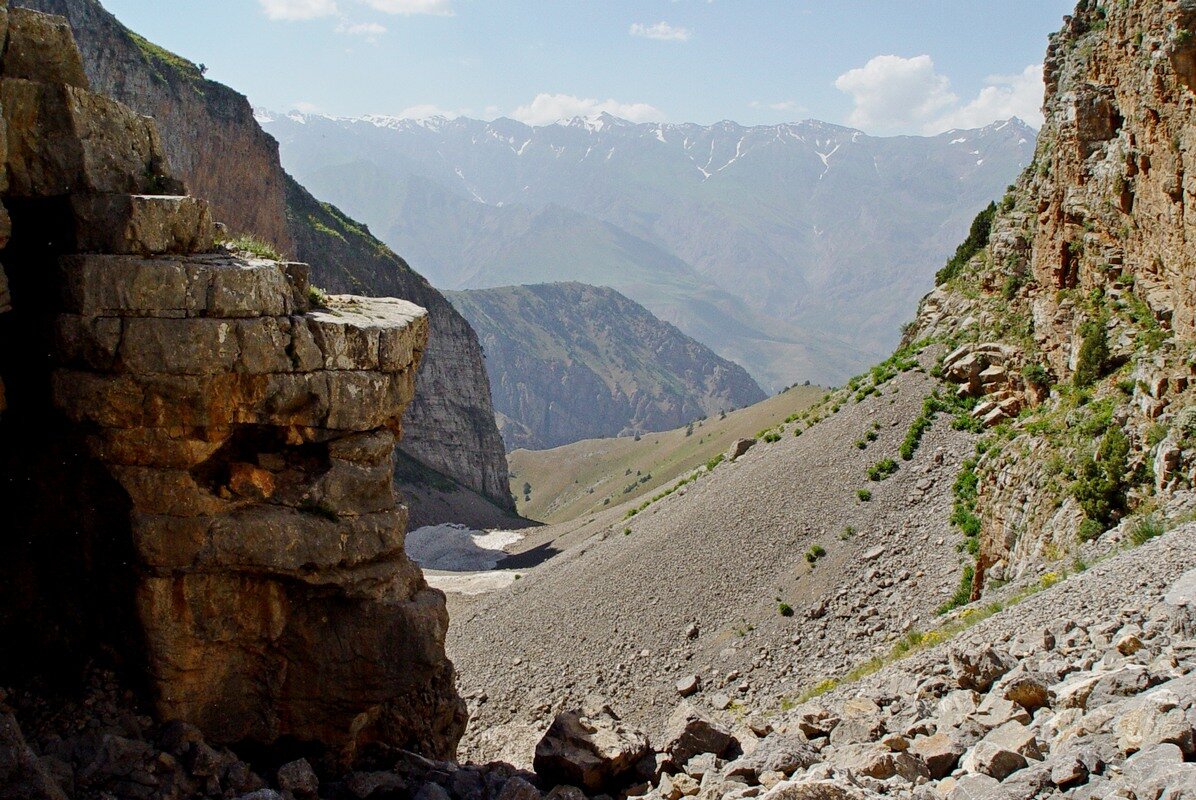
(885, 66)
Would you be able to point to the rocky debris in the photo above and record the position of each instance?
(250, 438)
(889, 565)
(594, 751)
(100, 744)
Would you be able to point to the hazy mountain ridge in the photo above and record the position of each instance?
(826, 236)
(569, 361)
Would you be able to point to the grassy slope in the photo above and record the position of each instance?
(562, 477)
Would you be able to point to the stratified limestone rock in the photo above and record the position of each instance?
(250, 438)
(42, 49)
(63, 140)
(142, 224)
(257, 452)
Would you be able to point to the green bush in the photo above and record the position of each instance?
(1103, 479)
(1094, 353)
(785, 610)
(1037, 375)
(963, 592)
(882, 469)
(864, 495)
(1145, 529)
(814, 553)
(976, 241)
(1089, 529)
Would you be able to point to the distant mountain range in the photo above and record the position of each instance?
(796, 250)
(569, 361)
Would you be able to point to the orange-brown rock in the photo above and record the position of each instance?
(241, 442)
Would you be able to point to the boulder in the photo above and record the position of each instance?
(940, 752)
(364, 785)
(597, 753)
(517, 788)
(688, 685)
(298, 778)
(978, 670)
(990, 759)
(142, 225)
(689, 732)
(739, 447)
(777, 752)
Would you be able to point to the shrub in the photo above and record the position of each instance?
(1103, 479)
(1094, 352)
(253, 246)
(317, 297)
(814, 553)
(1089, 529)
(963, 592)
(772, 436)
(1037, 375)
(714, 462)
(864, 495)
(976, 241)
(882, 469)
(785, 610)
(1145, 529)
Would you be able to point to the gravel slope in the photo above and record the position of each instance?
(613, 615)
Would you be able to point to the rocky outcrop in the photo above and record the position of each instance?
(245, 440)
(569, 362)
(1076, 323)
(250, 199)
(450, 425)
(212, 141)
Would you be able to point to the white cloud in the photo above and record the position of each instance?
(896, 95)
(298, 9)
(441, 8)
(304, 107)
(662, 31)
(546, 109)
(1004, 96)
(370, 31)
(892, 94)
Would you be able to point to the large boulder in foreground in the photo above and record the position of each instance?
(596, 752)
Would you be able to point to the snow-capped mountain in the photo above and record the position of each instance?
(795, 249)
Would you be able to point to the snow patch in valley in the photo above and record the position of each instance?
(457, 548)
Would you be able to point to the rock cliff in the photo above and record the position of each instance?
(213, 142)
(1072, 304)
(222, 451)
(569, 361)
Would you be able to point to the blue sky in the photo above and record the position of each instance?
(887, 66)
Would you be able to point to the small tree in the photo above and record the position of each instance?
(1094, 352)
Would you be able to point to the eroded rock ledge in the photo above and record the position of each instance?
(249, 436)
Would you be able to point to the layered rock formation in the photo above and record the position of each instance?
(1084, 290)
(213, 142)
(242, 441)
(569, 361)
